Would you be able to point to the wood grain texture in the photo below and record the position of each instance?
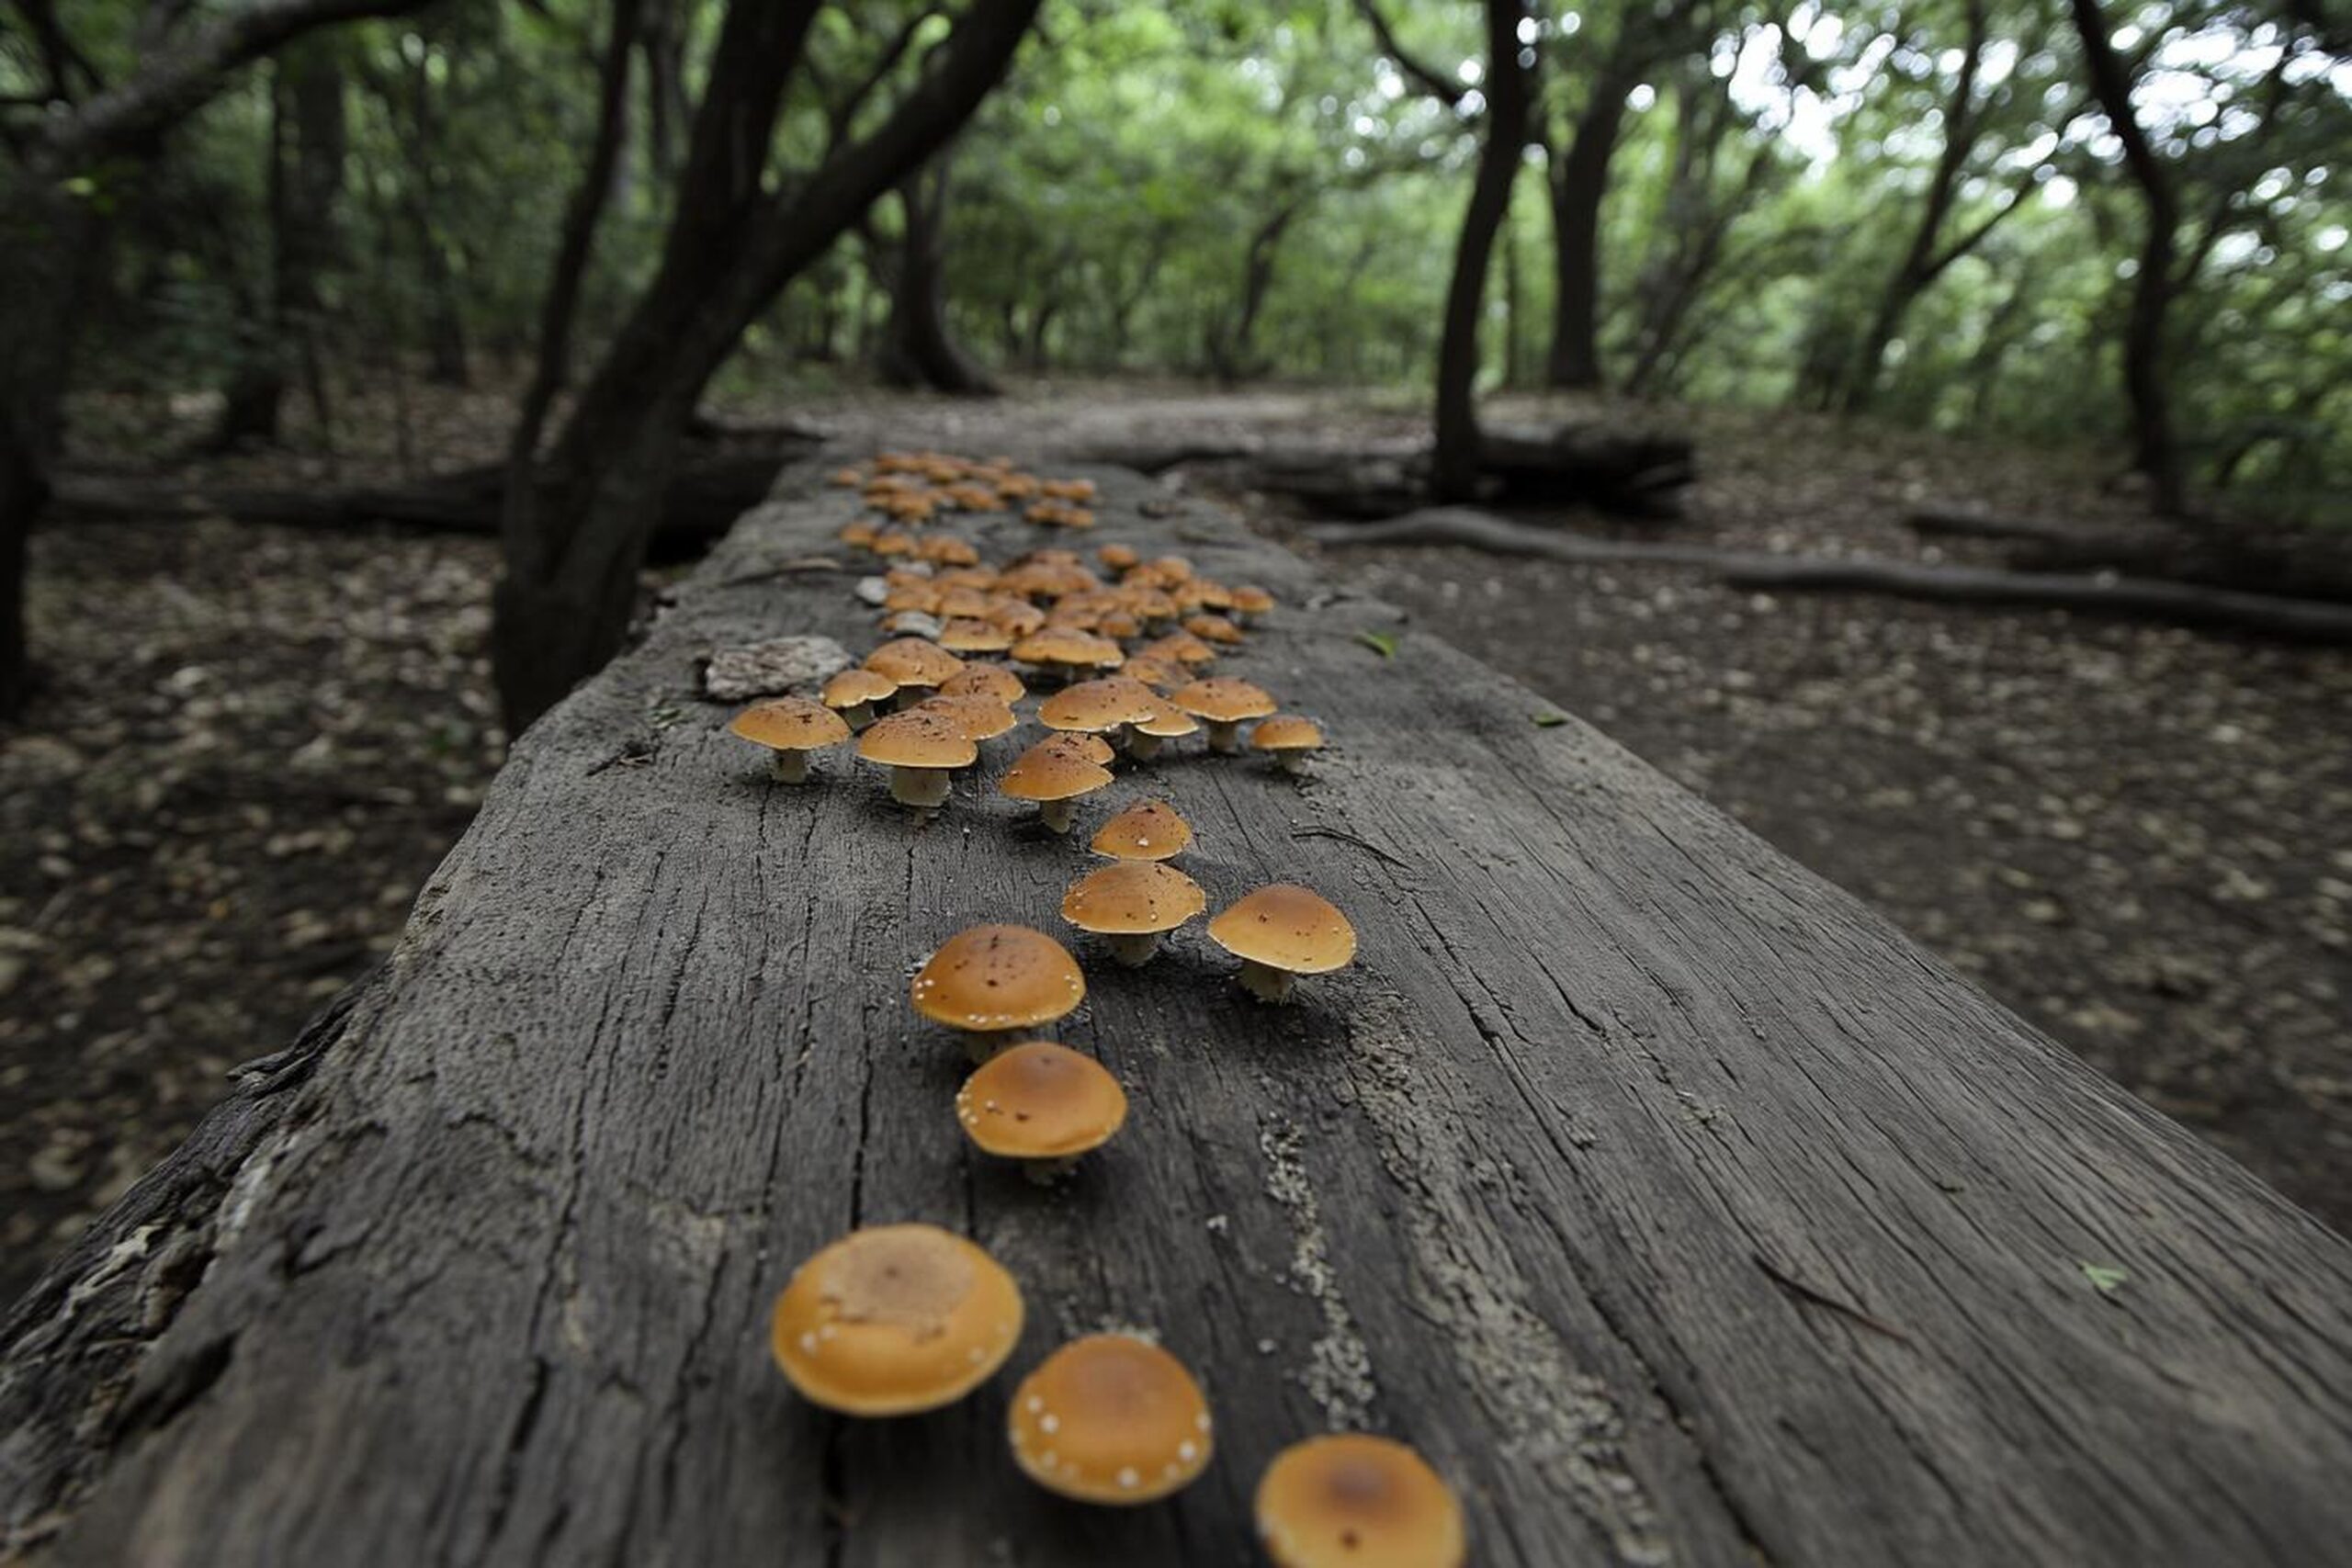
(1678, 1207)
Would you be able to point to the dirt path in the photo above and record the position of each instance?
(259, 742)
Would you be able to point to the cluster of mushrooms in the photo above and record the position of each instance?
(895, 1319)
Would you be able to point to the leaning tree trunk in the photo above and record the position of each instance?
(2146, 384)
(1454, 459)
(1577, 186)
(919, 349)
(309, 138)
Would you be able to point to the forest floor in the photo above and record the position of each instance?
(255, 742)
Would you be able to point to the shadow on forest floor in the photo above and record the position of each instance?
(256, 742)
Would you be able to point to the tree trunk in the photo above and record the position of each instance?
(577, 526)
(1231, 356)
(309, 138)
(1453, 462)
(2146, 382)
(919, 349)
(1577, 183)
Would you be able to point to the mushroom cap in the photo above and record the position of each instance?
(1118, 558)
(790, 723)
(1105, 703)
(1285, 927)
(1223, 699)
(1358, 1501)
(917, 739)
(1040, 1100)
(1213, 629)
(1251, 600)
(984, 681)
(1167, 721)
(913, 661)
(855, 685)
(1078, 743)
(1181, 646)
(993, 978)
(893, 1319)
(1068, 645)
(1059, 773)
(1129, 897)
(1109, 1418)
(977, 714)
(1148, 830)
(967, 634)
(1153, 669)
(1286, 732)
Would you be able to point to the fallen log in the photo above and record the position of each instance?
(2285, 562)
(2103, 594)
(704, 497)
(1668, 1199)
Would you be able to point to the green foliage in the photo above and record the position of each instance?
(1248, 191)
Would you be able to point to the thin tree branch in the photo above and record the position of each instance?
(1433, 82)
(171, 84)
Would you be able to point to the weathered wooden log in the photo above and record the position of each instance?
(2094, 593)
(2286, 562)
(1672, 1203)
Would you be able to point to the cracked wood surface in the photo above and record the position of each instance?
(1677, 1206)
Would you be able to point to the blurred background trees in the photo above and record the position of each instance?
(2079, 222)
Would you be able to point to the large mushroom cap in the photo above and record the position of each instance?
(1077, 743)
(1100, 704)
(1149, 830)
(1111, 1418)
(1069, 646)
(996, 977)
(913, 661)
(1132, 897)
(979, 715)
(857, 685)
(1167, 721)
(1353, 1501)
(1286, 732)
(984, 681)
(1288, 928)
(1223, 699)
(918, 739)
(790, 723)
(1044, 775)
(973, 635)
(894, 1319)
(1041, 1101)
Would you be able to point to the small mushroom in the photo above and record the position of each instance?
(1166, 722)
(980, 716)
(1223, 703)
(1290, 739)
(1280, 932)
(1351, 1500)
(917, 664)
(1104, 706)
(1149, 830)
(791, 728)
(1250, 601)
(895, 1319)
(1134, 903)
(1042, 1104)
(988, 980)
(1111, 1418)
(1066, 653)
(971, 634)
(853, 694)
(922, 751)
(985, 681)
(1076, 743)
(1055, 779)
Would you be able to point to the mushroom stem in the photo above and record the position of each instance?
(1141, 747)
(1046, 1172)
(1225, 735)
(857, 716)
(1266, 982)
(1134, 949)
(923, 788)
(1057, 814)
(981, 1047)
(1293, 762)
(788, 767)
(909, 695)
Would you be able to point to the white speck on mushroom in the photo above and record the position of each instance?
(1127, 1477)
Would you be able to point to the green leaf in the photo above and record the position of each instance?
(2104, 1277)
(1550, 720)
(1380, 643)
